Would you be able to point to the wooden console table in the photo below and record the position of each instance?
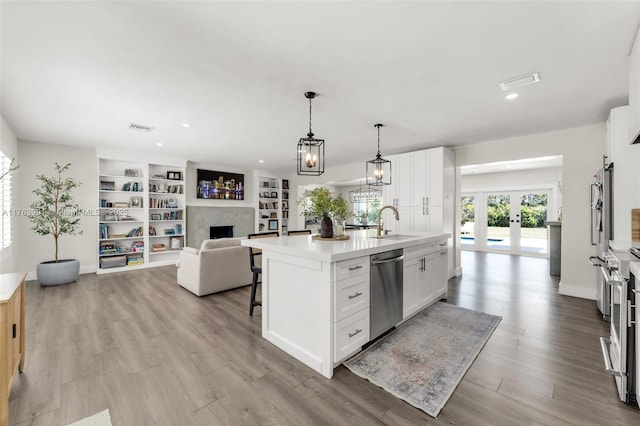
(11, 336)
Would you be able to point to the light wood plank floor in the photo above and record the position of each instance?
(153, 353)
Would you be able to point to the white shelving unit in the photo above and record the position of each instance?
(269, 205)
(135, 201)
(284, 221)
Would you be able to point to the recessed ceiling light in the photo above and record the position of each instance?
(511, 96)
(261, 161)
(187, 125)
(159, 143)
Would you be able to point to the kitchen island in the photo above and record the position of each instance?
(315, 293)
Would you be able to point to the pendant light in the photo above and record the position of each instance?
(310, 149)
(378, 169)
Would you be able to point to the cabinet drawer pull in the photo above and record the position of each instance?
(15, 331)
(353, 268)
(353, 296)
(442, 244)
(358, 331)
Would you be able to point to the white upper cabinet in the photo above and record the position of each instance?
(634, 91)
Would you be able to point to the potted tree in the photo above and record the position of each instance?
(55, 214)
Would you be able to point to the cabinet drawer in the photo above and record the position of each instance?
(419, 251)
(352, 267)
(350, 334)
(351, 296)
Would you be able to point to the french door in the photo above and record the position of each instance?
(506, 221)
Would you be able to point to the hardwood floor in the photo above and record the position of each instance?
(153, 353)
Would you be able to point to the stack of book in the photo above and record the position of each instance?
(158, 248)
(135, 259)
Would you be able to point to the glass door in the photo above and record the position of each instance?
(502, 222)
(516, 222)
(534, 238)
(468, 222)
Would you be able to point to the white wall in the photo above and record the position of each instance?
(38, 158)
(9, 147)
(582, 149)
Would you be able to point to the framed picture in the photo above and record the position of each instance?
(274, 195)
(176, 243)
(216, 185)
(131, 172)
(106, 185)
(135, 202)
(152, 231)
(285, 195)
(285, 184)
(156, 216)
(274, 215)
(285, 205)
(174, 175)
(273, 225)
(110, 217)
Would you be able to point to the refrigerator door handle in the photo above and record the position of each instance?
(591, 187)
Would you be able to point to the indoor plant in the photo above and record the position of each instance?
(55, 213)
(321, 204)
(341, 212)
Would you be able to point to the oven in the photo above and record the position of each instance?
(619, 349)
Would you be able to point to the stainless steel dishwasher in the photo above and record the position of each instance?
(386, 292)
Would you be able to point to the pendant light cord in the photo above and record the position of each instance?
(310, 132)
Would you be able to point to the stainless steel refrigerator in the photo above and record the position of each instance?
(602, 231)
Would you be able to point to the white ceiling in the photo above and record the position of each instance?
(77, 73)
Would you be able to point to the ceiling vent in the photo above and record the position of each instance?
(523, 80)
(140, 127)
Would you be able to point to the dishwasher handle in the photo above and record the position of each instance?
(392, 260)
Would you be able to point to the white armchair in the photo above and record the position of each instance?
(220, 264)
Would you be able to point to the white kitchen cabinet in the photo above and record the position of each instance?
(634, 91)
(411, 275)
(441, 273)
(422, 189)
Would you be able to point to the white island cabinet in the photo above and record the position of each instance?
(315, 294)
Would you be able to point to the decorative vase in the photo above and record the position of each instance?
(339, 228)
(64, 271)
(326, 227)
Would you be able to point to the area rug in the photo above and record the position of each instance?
(424, 359)
(102, 418)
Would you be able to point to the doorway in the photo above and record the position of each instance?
(506, 221)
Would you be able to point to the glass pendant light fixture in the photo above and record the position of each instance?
(378, 169)
(310, 149)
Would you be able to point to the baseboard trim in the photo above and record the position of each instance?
(88, 269)
(577, 291)
(457, 272)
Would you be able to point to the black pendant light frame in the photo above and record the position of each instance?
(378, 169)
(310, 156)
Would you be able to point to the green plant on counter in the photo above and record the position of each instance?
(341, 209)
(319, 203)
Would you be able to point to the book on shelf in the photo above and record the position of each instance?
(158, 248)
(136, 232)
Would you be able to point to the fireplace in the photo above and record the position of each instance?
(220, 232)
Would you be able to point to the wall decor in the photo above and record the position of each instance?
(215, 185)
(174, 175)
(273, 225)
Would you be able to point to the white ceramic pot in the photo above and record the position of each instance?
(64, 271)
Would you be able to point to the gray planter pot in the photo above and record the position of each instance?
(64, 271)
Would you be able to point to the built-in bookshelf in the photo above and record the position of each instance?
(166, 213)
(284, 226)
(269, 204)
(142, 211)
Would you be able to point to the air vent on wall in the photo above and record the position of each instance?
(523, 80)
(140, 127)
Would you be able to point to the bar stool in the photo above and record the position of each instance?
(256, 266)
(300, 232)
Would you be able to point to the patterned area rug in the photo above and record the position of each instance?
(424, 359)
(99, 419)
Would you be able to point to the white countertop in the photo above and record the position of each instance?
(622, 245)
(360, 243)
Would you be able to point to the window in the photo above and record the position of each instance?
(5, 202)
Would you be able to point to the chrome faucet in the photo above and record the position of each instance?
(395, 213)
